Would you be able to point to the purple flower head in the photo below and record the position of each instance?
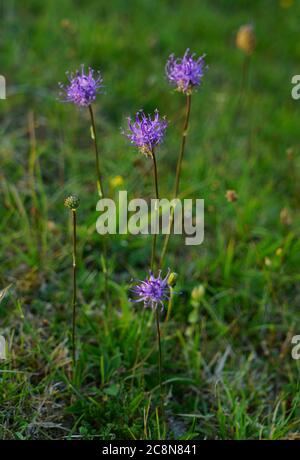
(153, 291)
(146, 132)
(185, 73)
(82, 88)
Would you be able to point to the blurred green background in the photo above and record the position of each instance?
(227, 366)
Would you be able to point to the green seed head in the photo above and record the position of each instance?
(72, 202)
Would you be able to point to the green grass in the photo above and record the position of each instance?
(227, 366)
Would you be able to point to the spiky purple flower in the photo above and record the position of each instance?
(146, 132)
(185, 73)
(82, 88)
(153, 291)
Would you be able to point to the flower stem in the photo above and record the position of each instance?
(170, 304)
(74, 289)
(153, 253)
(159, 360)
(178, 172)
(183, 141)
(94, 136)
(245, 74)
(101, 194)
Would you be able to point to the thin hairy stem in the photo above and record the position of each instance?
(74, 288)
(178, 173)
(153, 253)
(94, 136)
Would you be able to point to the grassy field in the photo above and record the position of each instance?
(227, 366)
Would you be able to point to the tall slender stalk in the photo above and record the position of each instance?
(153, 253)
(74, 287)
(101, 194)
(170, 304)
(178, 172)
(245, 74)
(242, 93)
(159, 360)
(94, 136)
(72, 202)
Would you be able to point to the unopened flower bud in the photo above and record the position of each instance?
(116, 181)
(285, 217)
(268, 262)
(198, 292)
(231, 196)
(245, 39)
(290, 153)
(172, 280)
